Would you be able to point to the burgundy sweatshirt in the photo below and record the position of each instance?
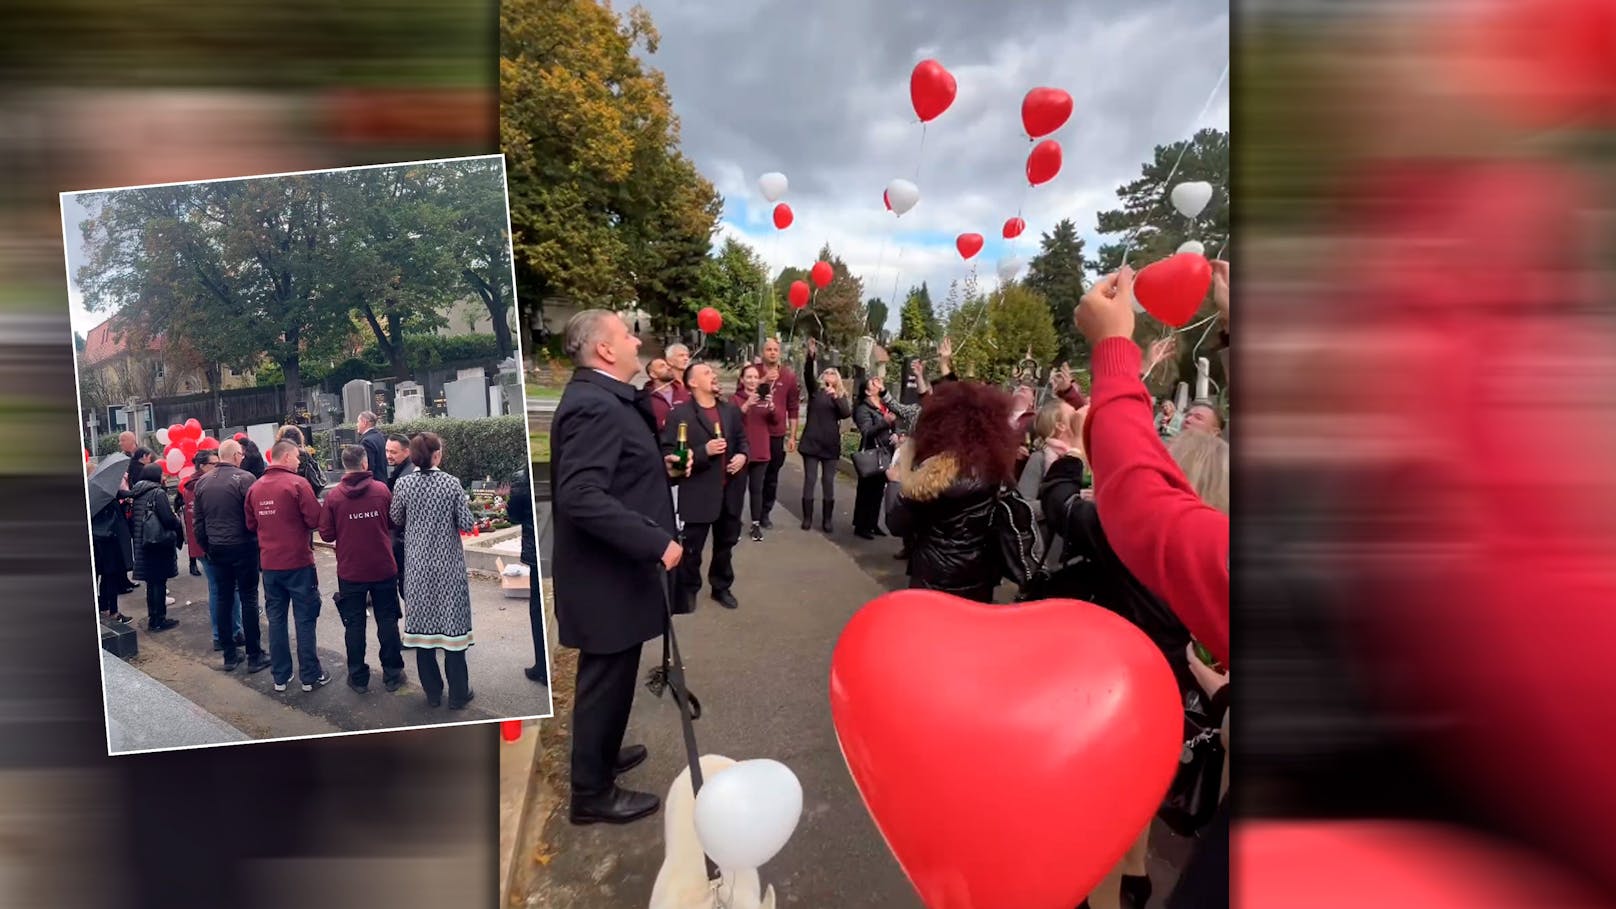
(282, 510)
(760, 423)
(355, 518)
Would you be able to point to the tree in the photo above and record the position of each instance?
(605, 210)
(834, 314)
(999, 331)
(732, 282)
(1153, 229)
(876, 318)
(917, 323)
(484, 242)
(1057, 274)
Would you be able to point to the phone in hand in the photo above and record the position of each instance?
(763, 390)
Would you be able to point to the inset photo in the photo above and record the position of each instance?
(307, 466)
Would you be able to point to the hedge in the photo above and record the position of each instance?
(107, 444)
(492, 447)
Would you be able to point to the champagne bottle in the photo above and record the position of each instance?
(683, 449)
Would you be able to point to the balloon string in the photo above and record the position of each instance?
(1168, 183)
(920, 155)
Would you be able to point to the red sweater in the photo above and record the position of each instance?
(282, 510)
(787, 394)
(1175, 544)
(355, 518)
(761, 423)
(188, 497)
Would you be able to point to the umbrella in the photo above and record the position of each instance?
(105, 481)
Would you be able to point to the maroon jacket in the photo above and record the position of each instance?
(355, 518)
(282, 510)
(663, 402)
(188, 497)
(787, 394)
(760, 423)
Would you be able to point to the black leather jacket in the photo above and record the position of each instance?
(964, 535)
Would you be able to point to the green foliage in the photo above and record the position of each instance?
(606, 210)
(1057, 274)
(876, 317)
(106, 444)
(733, 281)
(850, 442)
(917, 320)
(834, 313)
(1001, 330)
(472, 449)
(425, 352)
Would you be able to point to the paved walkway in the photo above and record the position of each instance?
(183, 660)
(147, 714)
(761, 673)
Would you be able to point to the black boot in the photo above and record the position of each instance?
(830, 509)
(807, 514)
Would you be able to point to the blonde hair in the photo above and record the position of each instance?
(290, 429)
(1204, 458)
(829, 371)
(1049, 419)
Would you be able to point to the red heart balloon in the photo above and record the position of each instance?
(886, 201)
(1174, 288)
(1044, 162)
(207, 444)
(799, 294)
(1013, 228)
(987, 771)
(709, 320)
(1045, 110)
(782, 216)
(822, 274)
(931, 89)
(968, 245)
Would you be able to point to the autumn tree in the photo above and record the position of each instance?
(1057, 274)
(605, 209)
(732, 282)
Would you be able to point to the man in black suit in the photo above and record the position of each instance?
(375, 443)
(710, 497)
(614, 545)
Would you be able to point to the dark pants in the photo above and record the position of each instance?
(535, 617)
(156, 600)
(771, 476)
(454, 666)
(867, 502)
(110, 579)
(383, 600)
(603, 696)
(236, 568)
(813, 469)
(300, 588)
(756, 478)
(726, 532)
(1204, 883)
(398, 559)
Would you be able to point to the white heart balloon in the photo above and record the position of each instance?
(902, 196)
(162, 436)
(773, 185)
(1010, 268)
(176, 460)
(1193, 246)
(1190, 198)
(746, 813)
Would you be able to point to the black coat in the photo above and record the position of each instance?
(375, 444)
(822, 428)
(1094, 574)
(154, 560)
(520, 511)
(704, 494)
(964, 535)
(874, 430)
(613, 514)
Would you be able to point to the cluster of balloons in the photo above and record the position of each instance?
(747, 813)
(1043, 111)
(1173, 289)
(182, 441)
(944, 770)
(773, 186)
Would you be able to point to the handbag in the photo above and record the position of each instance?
(152, 531)
(872, 461)
(1192, 798)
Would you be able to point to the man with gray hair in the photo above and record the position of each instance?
(615, 542)
(375, 444)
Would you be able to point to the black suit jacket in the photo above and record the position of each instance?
(375, 445)
(703, 495)
(613, 514)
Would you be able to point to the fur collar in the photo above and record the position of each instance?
(934, 478)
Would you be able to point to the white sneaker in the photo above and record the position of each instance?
(319, 682)
(280, 686)
(168, 601)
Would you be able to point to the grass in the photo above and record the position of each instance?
(541, 446)
(542, 391)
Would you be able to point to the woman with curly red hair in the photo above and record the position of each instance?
(968, 527)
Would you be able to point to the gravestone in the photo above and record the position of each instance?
(263, 435)
(409, 402)
(474, 372)
(466, 398)
(355, 399)
(510, 380)
(496, 400)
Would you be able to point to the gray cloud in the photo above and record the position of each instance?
(820, 92)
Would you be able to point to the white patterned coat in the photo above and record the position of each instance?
(433, 508)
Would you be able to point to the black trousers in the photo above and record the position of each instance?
(603, 697)
(726, 532)
(156, 600)
(110, 577)
(535, 617)
(236, 568)
(771, 476)
(454, 665)
(813, 469)
(382, 596)
(756, 479)
(867, 502)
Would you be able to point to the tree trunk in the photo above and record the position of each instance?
(498, 309)
(290, 368)
(395, 346)
(215, 379)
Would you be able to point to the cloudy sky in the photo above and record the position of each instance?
(820, 92)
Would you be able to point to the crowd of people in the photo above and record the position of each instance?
(248, 523)
(1086, 496)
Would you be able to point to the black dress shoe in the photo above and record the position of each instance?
(864, 534)
(536, 674)
(257, 664)
(461, 705)
(878, 531)
(629, 757)
(394, 683)
(726, 599)
(615, 806)
(161, 624)
(195, 571)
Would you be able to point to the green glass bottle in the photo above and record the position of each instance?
(683, 449)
